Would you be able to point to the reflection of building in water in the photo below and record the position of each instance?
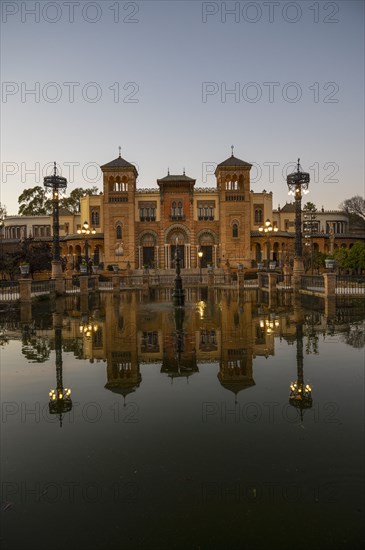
(179, 358)
(235, 367)
(225, 330)
(123, 374)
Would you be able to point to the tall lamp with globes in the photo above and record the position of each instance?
(268, 229)
(57, 184)
(309, 227)
(298, 183)
(86, 231)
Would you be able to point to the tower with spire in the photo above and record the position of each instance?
(233, 185)
(119, 184)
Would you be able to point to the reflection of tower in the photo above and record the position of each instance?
(236, 369)
(235, 372)
(178, 361)
(123, 377)
(123, 374)
(300, 394)
(59, 399)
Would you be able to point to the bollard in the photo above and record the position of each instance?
(329, 284)
(25, 290)
(240, 279)
(84, 284)
(60, 287)
(116, 283)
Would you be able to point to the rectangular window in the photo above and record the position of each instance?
(206, 210)
(258, 213)
(147, 211)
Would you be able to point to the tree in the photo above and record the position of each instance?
(37, 202)
(355, 337)
(341, 257)
(34, 202)
(318, 259)
(3, 213)
(309, 207)
(355, 205)
(37, 254)
(72, 203)
(2, 216)
(356, 256)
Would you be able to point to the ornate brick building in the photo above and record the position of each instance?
(144, 226)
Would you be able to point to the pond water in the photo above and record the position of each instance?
(223, 424)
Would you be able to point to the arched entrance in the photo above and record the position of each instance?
(77, 254)
(177, 237)
(96, 257)
(275, 254)
(208, 244)
(147, 250)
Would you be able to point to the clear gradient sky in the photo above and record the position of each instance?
(296, 70)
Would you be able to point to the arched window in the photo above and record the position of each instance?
(119, 231)
(234, 230)
(179, 208)
(173, 209)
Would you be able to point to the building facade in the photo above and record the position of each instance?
(138, 228)
(143, 227)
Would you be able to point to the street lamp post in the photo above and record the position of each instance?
(309, 227)
(200, 254)
(57, 184)
(267, 230)
(298, 183)
(86, 231)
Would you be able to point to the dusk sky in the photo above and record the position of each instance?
(295, 71)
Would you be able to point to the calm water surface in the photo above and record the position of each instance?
(182, 429)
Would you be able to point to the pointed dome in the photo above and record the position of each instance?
(175, 178)
(119, 162)
(234, 161)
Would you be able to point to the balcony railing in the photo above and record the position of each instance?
(177, 217)
(314, 283)
(118, 197)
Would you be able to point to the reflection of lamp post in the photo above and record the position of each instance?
(300, 393)
(178, 295)
(268, 229)
(200, 254)
(270, 325)
(297, 183)
(88, 326)
(86, 231)
(60, 398)
(56, 183)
